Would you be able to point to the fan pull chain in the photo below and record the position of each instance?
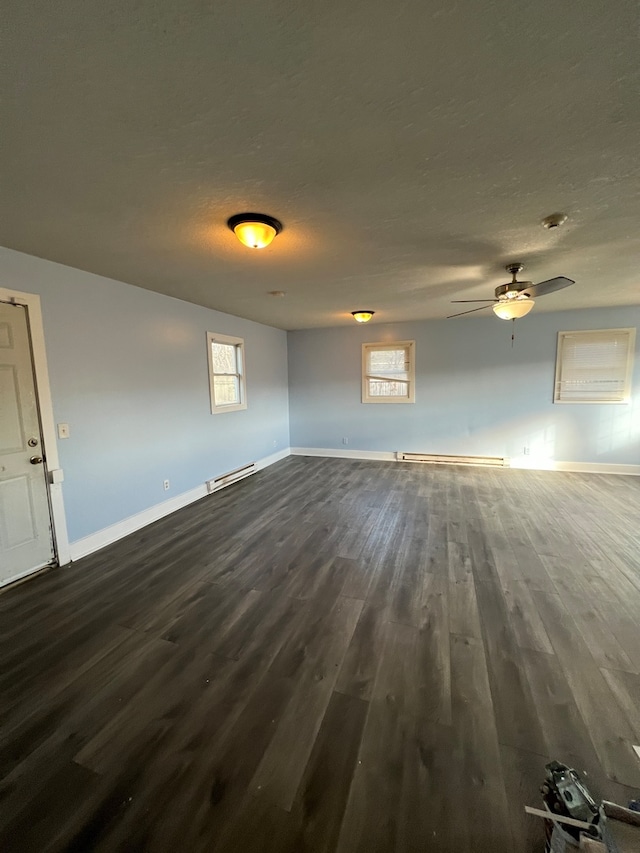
(513, 330)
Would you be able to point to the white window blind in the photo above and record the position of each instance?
(594, 366)
(388, 372)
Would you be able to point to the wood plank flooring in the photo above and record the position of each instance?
(331, 655)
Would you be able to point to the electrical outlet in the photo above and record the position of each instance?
(165, 485)
(525, 451)
(345, 440)
(275, 443)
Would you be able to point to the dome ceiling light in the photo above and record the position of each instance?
(254, 230)
(513, 308)
(554, 220)
(362, 316)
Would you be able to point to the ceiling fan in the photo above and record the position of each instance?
(514, 300)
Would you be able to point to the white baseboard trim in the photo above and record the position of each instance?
(579, 467)
(523, 462)
(380, 455)
(108, 535)
(273, 458)
(101, 538)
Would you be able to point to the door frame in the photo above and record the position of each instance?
(54, 479)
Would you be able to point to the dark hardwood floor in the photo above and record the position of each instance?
(329, 656)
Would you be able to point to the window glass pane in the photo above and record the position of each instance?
(392, 363)
(226, 373)
(226, 390)
(383, 388)
(388, 372)
(224, 358)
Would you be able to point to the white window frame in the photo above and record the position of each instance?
(410, 346)
(238, 343)
(626, 394)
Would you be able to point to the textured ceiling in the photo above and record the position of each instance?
(410, 149)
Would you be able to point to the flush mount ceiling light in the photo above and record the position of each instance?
(554, 220)
(255, 230)
(362, 316)
(513, 308)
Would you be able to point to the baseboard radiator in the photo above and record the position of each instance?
(439, 459)
(231, 477)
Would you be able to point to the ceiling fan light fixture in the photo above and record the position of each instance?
(362, 316)
(254, 230)
(513, 309)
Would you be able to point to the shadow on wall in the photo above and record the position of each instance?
(537, 444)
(618, 426)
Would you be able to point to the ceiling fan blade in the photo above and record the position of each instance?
(455, 301)
(482, 307)
(550, 286)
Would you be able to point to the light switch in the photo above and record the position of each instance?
(63, 430)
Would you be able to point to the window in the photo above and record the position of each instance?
(594, 366)
(226, 373)
(388, 372)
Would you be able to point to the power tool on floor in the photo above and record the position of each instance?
(565, 796)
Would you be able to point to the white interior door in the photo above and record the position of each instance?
(26, 542)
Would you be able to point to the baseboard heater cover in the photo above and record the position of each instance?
(439, 459)
(231, 477)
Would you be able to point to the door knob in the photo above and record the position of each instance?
(35, 460)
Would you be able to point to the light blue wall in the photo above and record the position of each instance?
(474, 393)
(128, 371)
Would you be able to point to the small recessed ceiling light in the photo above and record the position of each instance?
(555, 220)
(276, 292)
(255, 230)
(362, 316)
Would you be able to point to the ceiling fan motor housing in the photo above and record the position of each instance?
(513, 289)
